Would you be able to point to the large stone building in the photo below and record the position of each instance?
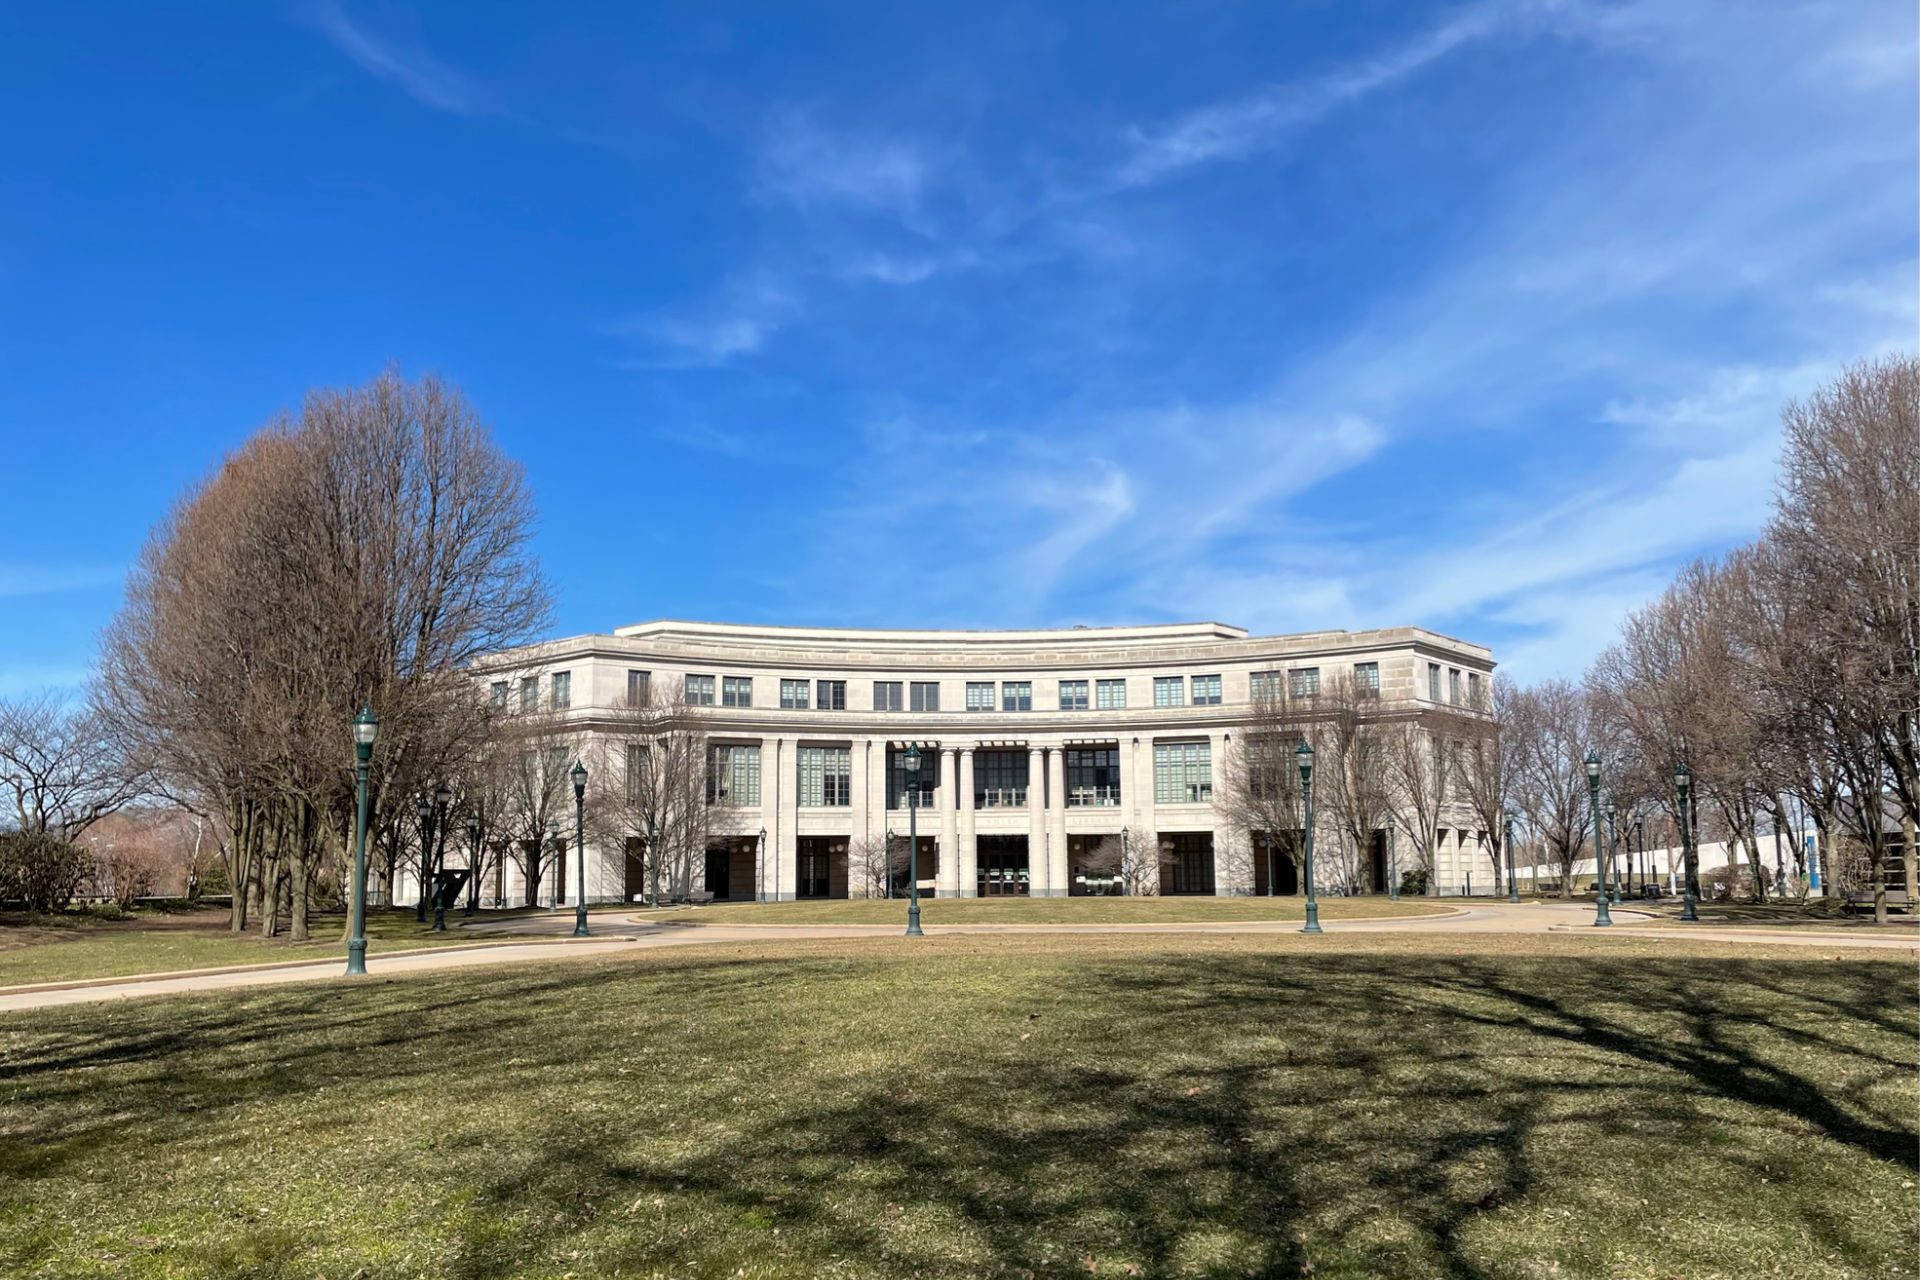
(1037, 746)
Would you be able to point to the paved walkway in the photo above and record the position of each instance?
(614, 933)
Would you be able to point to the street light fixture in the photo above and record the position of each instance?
(1601, 917)
(910, 760)
(1305, 756)
(425, 809)
(366, 727)
(1513, 885)
(760, 871)
(473, 861)
(1125, 862)
(1683, 783)
(1613, 842)
(553, 840)
(579, 776)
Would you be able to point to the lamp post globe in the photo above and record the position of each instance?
(910, 762)
(1304, 756)
(1683, 784)
(366, 727)
(1601, 916)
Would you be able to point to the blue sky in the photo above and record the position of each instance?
(1297, 316)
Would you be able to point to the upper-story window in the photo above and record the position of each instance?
(1092, 776)
(999, 779)
(1169, 691)
(530, 693)
(639, 688)
(793, 695)
(926, 782)
(699, 691)
(1264, 686)
(1073, 695)
(1303, 682)
(1433, 682)
(562, 690)
(924, 695)
(1206, 691)
(888, 695)
(1110, 695)
(1366, 678)
(1473, 688)
(1182, 772)
(979, 695)
(497, 692)
(733, 775)
(826, 776)
(830, 695)
(1453, 685)
(736, 691)
(1016, 695)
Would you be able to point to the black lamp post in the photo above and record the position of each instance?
(1125, 861)
(886, 866)
(366, 726)
(1600, 915)
(473, 861)
(1305, 755)
(1513, 884)
(910, 759)
(760, 872)
(1393, 867)
(1613, 841)
(425, 811)
(1268, 835)
(1683, 783)
(579, 776)
(653, 861)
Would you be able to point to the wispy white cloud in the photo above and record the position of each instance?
(807, 165)
(417, 72)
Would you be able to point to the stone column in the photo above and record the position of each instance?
(949, 822)
(859, 779)
(1036, 821)
(1057, 885)
(783, 878)
(1229, 871)
(964, 843)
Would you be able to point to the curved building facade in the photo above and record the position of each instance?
(1040, 748)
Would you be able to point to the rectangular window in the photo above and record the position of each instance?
(1473, 688)
(562, 695)
(736, 691)
(1264, 686)
(1073, 695)
(1016, 695)
(733, 775)
(530, 693)
(637, 762)
(1433, 682)
(1110, 695)
(1303, 682)
(1453, 685)
(1366, 678)
(1093, 776)
(826, 777)
(793, 695)
(928, 780)
(1169, 691)
(830, 695)
(498, 692)
(999, 779)
(924, 696)
(1182, 772)
(639, 688)
(699, 691)
(979, 695)
(1206, 691)
(887, 695)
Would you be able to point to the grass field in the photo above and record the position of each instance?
(1040, 910)
(1815, 915)
(1347, 1106)
(75, 946)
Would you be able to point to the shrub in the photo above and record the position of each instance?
(1413, 882)
(42, 871)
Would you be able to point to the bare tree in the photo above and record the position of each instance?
(1257, 788)
(879, 862)
(676, 789)
(62, 765)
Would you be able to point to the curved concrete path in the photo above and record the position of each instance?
(613, 933)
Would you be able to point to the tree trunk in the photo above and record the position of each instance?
(301, 862)
(1912, 867)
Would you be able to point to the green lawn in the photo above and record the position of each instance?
(1814, 914)
(75, 946)
(1346, 1106)
(1040, 910)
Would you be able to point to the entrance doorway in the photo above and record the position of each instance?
(633, 883)
(1093, 865)
(1286, 874)
(1003, 866)
(822, 867)
(1377, 863)
(1186, 863)
(925, 863)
